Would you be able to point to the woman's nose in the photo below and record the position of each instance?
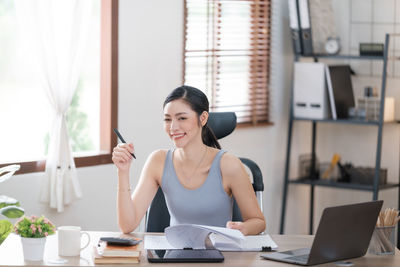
(173, 125)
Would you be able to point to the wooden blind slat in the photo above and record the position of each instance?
(227, 47)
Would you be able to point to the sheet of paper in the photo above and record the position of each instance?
(156, 242)
(251, 243)
(234, 234)
(187, 236)
(194, 235)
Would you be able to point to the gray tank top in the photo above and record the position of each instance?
(207, 205)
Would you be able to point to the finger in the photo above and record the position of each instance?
(123, 148)
(122, 155)
(229, 224)
(235, 225)
(118, 160)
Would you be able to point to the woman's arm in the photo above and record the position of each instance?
(131, 208)
(237, 179)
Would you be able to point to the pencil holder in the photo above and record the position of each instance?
(382, 241)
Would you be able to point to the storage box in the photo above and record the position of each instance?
(310, 97)
(365, 175)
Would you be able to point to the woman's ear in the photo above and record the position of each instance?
(203, 118)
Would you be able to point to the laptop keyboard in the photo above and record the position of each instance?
(300, 258)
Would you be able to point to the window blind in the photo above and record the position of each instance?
(226, 54)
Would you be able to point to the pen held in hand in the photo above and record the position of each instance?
(122, 140)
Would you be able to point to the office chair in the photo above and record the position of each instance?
(222, 124)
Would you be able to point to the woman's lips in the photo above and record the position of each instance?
(178, 136)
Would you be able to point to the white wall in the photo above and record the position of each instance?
(150, 56)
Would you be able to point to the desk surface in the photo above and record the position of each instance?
(11, 253)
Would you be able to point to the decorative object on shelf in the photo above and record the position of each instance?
(370, 91)
(333, 174)
(9, 207)
(368, 108)
(33, 231)
(371, 49)
(327, 173)
(305, 161)
(332, 45)
(344, 172)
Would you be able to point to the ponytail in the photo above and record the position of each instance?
(208, 137)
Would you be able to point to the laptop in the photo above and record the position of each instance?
(344, 232)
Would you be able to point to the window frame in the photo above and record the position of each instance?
(108, 94)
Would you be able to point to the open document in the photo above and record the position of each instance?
(194, 236)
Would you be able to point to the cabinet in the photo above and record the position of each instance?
(312, 181)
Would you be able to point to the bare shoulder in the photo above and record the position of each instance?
(157, 156)
(155, 164)
(231, 165)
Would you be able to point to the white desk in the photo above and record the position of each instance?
(11, 254)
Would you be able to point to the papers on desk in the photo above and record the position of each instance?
(250, 243)
(194, 236)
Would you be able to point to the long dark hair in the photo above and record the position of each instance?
(198, 101)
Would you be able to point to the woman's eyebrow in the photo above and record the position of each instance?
(180, 113)
(177, 114)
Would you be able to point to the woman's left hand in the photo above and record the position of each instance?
(236, 225)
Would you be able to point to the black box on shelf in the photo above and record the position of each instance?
(365, 175)
(371, 49)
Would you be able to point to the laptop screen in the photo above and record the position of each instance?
(344, 232)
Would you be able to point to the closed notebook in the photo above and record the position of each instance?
(99, 259)
(118, 251)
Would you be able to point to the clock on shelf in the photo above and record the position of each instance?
(332, 45)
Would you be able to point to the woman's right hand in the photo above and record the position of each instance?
(121, 156)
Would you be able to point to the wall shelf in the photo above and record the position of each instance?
(335, 184)
(340, 56)
(344, 121)
(312, 183)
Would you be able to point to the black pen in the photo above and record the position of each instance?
(122, 140)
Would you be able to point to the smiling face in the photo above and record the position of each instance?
(182, 124)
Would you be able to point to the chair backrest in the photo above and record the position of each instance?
(222, 124)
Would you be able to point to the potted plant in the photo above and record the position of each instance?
(33, 231)
(9, 207)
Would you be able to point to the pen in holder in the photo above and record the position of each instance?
(383, 238)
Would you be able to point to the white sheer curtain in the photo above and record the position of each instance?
(56, 30)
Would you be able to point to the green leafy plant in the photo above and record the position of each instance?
(34, 227)
(9, 207)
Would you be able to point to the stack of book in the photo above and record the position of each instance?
(109, 254)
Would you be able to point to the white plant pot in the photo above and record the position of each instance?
(33, 248)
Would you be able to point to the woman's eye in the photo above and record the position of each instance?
(181, 119)
(167, 120)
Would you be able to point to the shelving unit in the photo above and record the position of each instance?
(313, 180)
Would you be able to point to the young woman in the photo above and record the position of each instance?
(197, 178)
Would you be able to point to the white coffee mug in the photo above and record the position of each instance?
(69, 240)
